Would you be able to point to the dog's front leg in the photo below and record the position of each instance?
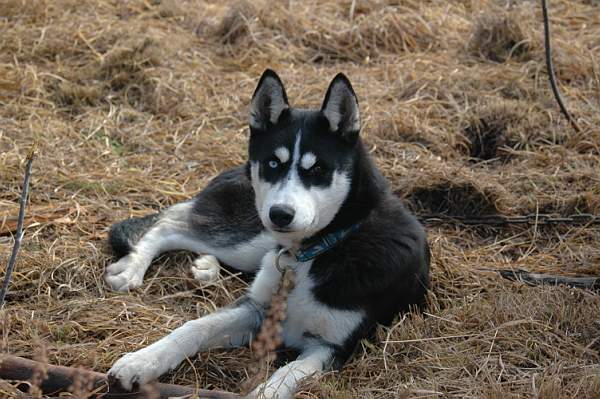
(228, 327)
(284, 382)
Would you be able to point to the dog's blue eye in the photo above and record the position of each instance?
(273, 164)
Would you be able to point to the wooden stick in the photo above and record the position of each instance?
(60, 378)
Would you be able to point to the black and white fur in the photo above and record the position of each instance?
(307, 175)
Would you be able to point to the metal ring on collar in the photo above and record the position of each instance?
(278, 257)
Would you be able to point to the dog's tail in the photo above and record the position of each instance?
(125, 234)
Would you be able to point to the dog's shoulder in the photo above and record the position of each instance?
(382, 267)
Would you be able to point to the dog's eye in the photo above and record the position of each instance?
(316, 169)
(273, 164)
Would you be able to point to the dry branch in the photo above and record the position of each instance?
(21, 218)
(592, 283)
(550, 68)
(60, 378)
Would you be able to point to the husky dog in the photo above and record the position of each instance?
(309, 198)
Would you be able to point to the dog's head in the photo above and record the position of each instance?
(302, 162)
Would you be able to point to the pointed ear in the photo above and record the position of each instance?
(340, 107)
(268, 101)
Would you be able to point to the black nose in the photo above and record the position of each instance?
(281, 215)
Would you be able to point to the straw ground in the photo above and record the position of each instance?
(138, 104)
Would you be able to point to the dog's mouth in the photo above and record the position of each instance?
(291, 231)
(288, 237)
(287, 229)
(282, 230)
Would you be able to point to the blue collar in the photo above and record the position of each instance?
(323, 244)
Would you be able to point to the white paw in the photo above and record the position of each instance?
(205, 269)
(136, 369)
(125, 274)
(267, 392)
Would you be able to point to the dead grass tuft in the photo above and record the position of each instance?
(492, 128)
(453, 199)
(235, 24)
(125, 73)
(302, 31)
(124, 69)
(74, 95)
(499, 37)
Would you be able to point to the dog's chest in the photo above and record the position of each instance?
(306, 317)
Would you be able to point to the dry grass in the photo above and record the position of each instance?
(138, 104)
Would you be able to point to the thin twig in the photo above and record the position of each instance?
(584, 282)
(550, 68)
(19, 234)
(352, 9)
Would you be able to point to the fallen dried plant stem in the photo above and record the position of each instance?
(270, 336)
